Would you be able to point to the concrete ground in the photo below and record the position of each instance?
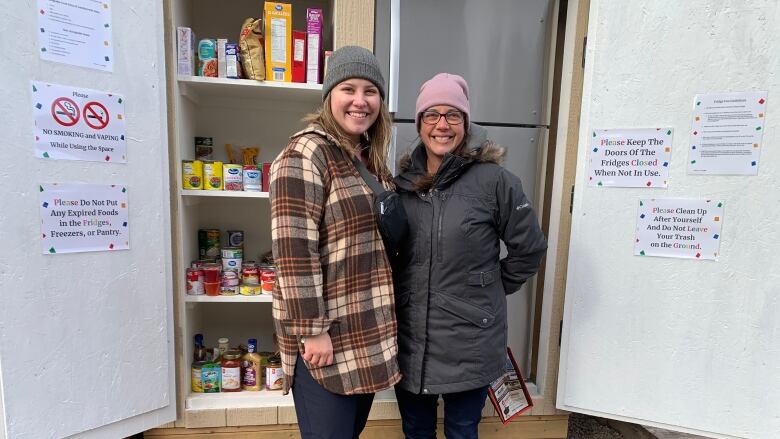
(590, 427)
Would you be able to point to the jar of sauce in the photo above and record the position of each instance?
(231, 371)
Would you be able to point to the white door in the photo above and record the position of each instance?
(683, 344)
(86, 339)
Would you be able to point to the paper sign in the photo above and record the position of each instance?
(78, 124)
(630, 157)
(76, 32)
(727, 133)
(679, 228)
(83, 218)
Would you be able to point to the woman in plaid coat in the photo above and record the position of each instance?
(333, 304)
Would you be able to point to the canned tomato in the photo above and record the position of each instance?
(212, 176)
(267, 278)
(195, 281)
(208, 244)
(192, 174)
(231, 174)
(252, 178)
(235, 238)
(250, 274)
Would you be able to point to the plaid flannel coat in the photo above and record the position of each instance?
(332, 271)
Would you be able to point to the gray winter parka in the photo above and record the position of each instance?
(451, 284)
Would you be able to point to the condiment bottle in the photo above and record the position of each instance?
(231, 371)
(251, 367)
(223, 345)
(199, 353)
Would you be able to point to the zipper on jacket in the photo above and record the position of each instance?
(439, 257)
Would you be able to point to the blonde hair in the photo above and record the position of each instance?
(378, 136)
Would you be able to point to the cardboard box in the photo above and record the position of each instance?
(277, 18)
(299, 56)
(185, 51)
(231, 61)
(221, 66)
(313, 45)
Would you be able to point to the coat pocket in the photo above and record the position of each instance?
(464, 310)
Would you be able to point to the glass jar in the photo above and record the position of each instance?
(231, 371)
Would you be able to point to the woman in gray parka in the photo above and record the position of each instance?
(450, 282)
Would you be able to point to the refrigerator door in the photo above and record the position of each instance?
(498, 46)
(521, 160)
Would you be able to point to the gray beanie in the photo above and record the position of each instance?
(352, 62)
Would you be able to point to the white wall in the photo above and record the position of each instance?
(685, 343)
(85, 339)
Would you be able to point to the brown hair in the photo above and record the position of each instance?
(378, 136)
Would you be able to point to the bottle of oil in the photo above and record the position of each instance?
(250, 367)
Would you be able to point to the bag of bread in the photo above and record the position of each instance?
(250, 45)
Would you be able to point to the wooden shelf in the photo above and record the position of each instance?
(227, 194)
(263, 398)
(262, 298)
(199, 87)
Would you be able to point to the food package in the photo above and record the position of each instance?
(251, 47)
(278, 41)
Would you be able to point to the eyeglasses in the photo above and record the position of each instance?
(431, 117)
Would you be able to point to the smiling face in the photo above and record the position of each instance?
(442, 137)
(355, 106)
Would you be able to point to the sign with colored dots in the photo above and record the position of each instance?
(727, 133)
(679, 228)
(630, 157)
(76, 32)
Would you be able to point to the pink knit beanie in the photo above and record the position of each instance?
(443, 89)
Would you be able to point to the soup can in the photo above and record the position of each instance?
(192, 174)
(231, 174)
(267, 278)
(208, 244)
(229, 284)
(195, 281)
(250, 274)
(212, 176)
(252, 178)
(235, 238)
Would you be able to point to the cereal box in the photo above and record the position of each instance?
(313, 45)
(277, 18)
(185, 51)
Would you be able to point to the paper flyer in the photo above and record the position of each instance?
(78, 124)
(727, 133)
(679, 228)
(76, 32)
(630, 157)
(83, 218)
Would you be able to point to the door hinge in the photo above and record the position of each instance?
(571, 200)
(560, 333)
(584, 49)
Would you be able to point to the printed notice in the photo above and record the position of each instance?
(630, 157)
(83, 218)
(76, 32)
(78, 124)
(679, 228)
(727, 133)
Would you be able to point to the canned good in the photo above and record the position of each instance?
(252, 178)
(195, 281)
(235, 238)
(212, 176)
(204, 148)
(231, 174)
(250, 290)
(192, 174)
(230, 283)
(267, 278)
(197, 376)
(274, 377)
(232, 253)
(208, 244)
(250, 274)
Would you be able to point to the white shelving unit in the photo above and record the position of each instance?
(243, 113)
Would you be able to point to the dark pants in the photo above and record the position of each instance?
(324, 414)
(462, 413)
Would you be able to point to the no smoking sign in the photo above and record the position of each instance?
(96, 115)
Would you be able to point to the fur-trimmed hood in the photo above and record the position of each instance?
(412, 164)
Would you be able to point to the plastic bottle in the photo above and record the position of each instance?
(250, 368)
